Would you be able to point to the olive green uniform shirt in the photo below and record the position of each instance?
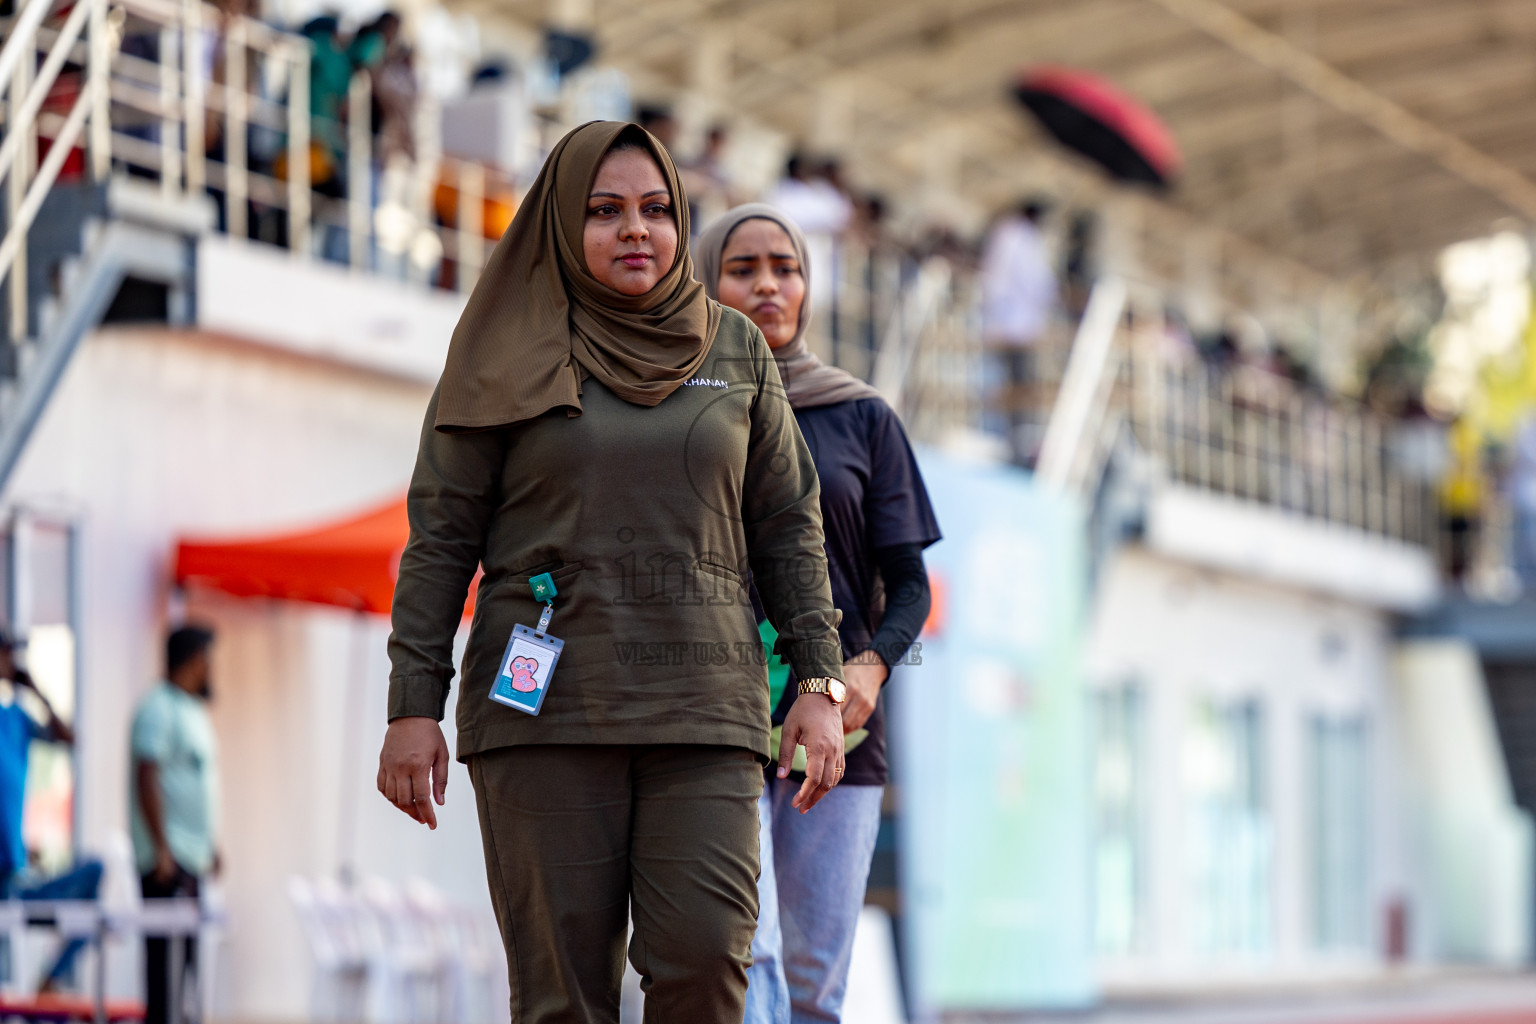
(649, 519)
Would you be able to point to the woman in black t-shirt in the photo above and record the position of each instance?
(877, 519)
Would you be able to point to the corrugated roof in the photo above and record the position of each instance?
(1343, 134)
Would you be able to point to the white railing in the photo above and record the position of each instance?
(1243, 432)
(203, 103)
(1235, 430)
(86, 38)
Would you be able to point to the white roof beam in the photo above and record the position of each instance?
(1346, 94)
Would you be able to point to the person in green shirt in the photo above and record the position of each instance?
(604, 428)
(174, 799)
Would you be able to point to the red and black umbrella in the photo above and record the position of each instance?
(1089, 115)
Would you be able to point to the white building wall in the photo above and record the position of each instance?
(155, 435)
(1182, 632)
(1477, 842)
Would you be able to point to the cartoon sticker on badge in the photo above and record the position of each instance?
(522, 674)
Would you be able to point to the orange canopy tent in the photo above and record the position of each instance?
(352, 563)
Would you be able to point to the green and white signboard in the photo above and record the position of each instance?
(991, 749)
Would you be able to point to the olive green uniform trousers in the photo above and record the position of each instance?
(579, 838)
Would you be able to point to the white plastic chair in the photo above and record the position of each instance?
(340, 984)
(469, 954)
(402, 959)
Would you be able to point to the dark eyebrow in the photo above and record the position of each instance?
(753, 256)
(615, 195)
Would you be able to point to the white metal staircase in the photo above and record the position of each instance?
(72, 232)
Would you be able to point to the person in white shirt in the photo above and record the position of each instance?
(1019, 297)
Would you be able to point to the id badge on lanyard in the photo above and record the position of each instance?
(530, 657)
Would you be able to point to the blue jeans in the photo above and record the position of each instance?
(815, 868)
(80, 882)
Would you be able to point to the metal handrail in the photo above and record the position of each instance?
(26, 95)
(161, 101)
(1083, 398)
(47, 75)
(23, 37)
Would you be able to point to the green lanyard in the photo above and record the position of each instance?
(543, 586)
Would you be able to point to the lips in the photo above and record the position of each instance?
(635, 259)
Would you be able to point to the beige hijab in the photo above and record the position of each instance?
(538, 323)
(808, 380)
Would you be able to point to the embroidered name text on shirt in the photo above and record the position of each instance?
(711, 382)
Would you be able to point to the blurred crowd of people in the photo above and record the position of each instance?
(376, 49)
(1032, 271)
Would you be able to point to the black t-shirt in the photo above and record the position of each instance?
(872, 497)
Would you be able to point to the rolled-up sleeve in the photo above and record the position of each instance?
(451, 500)
(781, 514)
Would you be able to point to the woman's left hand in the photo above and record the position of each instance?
(812, 723)
(864, 674)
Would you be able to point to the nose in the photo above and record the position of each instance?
(632, 226)
(765, 283)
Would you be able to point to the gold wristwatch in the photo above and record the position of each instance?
(835, 689)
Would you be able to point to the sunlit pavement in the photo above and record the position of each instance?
(1461, 999)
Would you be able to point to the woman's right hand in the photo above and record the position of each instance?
(413, 767)
(814, 723)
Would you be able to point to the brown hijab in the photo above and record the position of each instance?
(808, 380)
(538, 323)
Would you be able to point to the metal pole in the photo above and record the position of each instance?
(20, 47)
(428, 157)
(170, 130)
(99, 981)
(1228, 414)
(298, 151)
(192, 76)
(19, 179)
(1204, 455)
(471, 224)
(359, 164)
(101, 98)
(1068, 423)
(237, 188)
(175, 973)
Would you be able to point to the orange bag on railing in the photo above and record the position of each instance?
(496, 214)
(322, 166)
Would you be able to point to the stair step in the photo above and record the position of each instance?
(47, 316)
(90, 233)
(143, 203)
(69, 273)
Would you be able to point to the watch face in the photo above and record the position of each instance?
(837, 690)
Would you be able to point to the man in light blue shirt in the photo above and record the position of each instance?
(175, 796)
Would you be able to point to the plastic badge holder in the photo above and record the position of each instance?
(530, 658)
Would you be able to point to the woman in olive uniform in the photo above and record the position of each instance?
(605, 431)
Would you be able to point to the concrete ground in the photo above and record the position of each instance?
(1454, 998)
